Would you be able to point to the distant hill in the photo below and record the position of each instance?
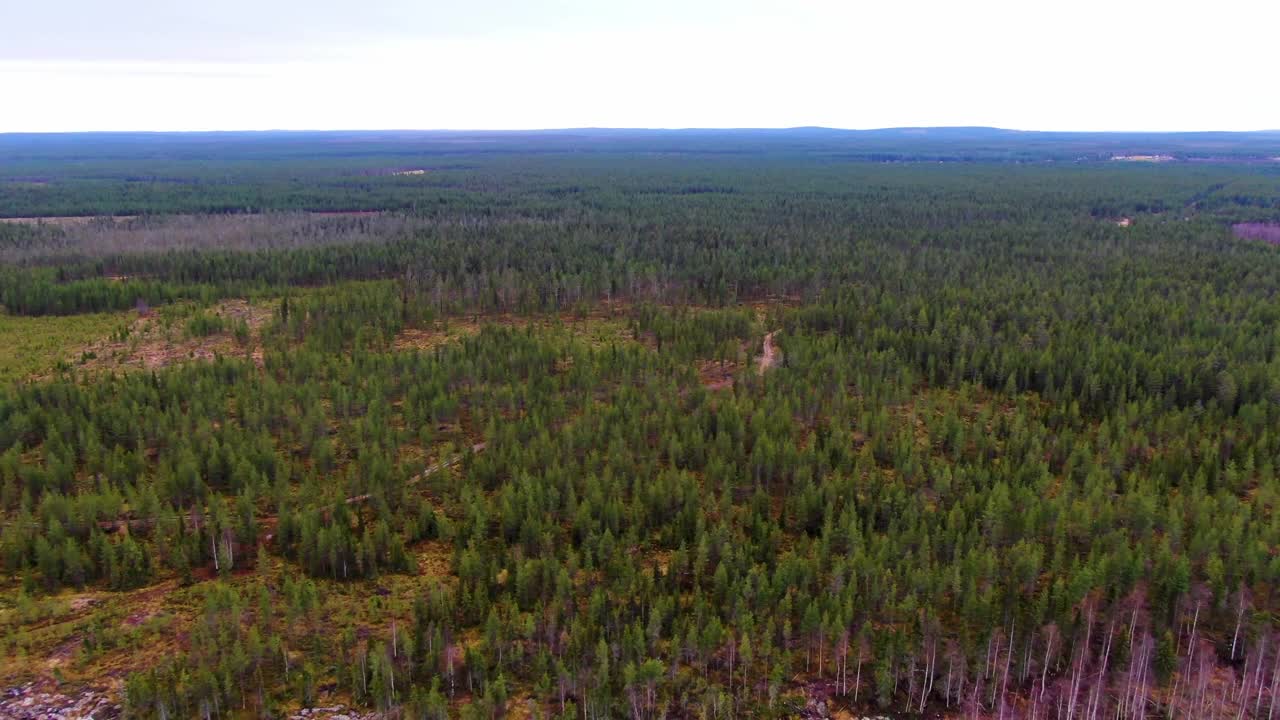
(903, 144)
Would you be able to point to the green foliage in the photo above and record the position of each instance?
(1003, 433)
(203, 324)
(34, 346)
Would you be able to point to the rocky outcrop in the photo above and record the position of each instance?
(41, 701)
(333, 712)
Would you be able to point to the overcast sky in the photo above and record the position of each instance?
(326, 64)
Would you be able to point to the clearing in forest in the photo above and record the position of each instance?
(36, 345)
(164, 337)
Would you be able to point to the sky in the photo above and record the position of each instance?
(74, 65)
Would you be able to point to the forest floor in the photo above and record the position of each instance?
(37, 347)
(717, 375)
(159, 338)
(598, 329)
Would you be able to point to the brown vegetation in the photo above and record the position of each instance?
(159, 340)
(1267, 232)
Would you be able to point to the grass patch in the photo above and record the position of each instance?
(37, 345)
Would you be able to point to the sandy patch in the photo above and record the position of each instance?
(769, 354)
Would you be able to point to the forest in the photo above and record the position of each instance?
(640, 425)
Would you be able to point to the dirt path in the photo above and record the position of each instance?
(721, 378)
(769, 355)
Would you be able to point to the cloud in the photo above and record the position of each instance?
(62, 70)
(1091, 65)
(300, 30)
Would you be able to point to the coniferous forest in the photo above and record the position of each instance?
(767, 424)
